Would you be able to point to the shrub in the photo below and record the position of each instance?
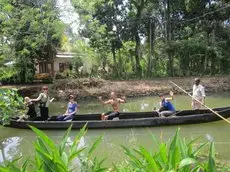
(50, 157)
(179, 156)
(11, 104)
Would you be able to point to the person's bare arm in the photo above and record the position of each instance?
(66, 112)
(171, 96)
(122, 99)
(73, 112)
(51, 100)
(104, 102)
(37, 99)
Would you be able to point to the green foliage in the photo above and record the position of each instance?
(170, 38)
(61, 157)
(11, 104)
(29, 32)
(179, 156)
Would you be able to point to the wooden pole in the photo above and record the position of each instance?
(201, 103)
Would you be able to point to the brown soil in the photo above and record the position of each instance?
(91, 87)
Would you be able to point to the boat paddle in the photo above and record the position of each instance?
(201, 103)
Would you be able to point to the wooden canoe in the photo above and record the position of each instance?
(127, 119)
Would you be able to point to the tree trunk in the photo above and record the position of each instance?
(115, 61)
(137, 55)
(151, 38)
(169, 38)
(137, 37)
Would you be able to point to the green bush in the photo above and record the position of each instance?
(11, 104)
(180, 156)
(50, 157)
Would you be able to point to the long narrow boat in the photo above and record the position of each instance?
(127, 119)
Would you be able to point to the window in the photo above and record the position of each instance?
(43, 67)
(61, 67)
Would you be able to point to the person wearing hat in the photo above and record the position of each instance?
(198, 93)
(70, 111)
(44, 101)
(166, 107)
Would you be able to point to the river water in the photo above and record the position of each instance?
(19, 142)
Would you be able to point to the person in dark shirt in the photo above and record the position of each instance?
(31, 113)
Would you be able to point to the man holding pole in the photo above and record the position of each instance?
(198, 93)
(201, 102)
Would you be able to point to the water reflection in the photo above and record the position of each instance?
(77, 162)
(9, 149)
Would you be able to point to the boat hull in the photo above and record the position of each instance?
(127, 120)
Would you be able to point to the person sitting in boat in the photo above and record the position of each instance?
(31, 113)
(71, 110)
(114, 101)
(166, 107)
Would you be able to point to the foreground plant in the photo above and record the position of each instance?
(63, 157)
(180, 156)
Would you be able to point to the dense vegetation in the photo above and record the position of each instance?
(71, 156)
(11, 105)
(118, 39)
(30, 31)
(143, 38)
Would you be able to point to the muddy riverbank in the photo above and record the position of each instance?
(93, 87)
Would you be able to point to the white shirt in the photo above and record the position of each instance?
(44, 98)
(198, 91)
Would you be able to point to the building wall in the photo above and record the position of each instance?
(57, 61)
(53, 67)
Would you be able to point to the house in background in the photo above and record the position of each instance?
(59, 63)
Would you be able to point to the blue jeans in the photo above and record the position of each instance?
(65, 117)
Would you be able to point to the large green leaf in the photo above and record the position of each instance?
(211, 160)
(44, 137)
(94, 146)
(64, 140)
(186, 162)
(150, 159)
(174, 152)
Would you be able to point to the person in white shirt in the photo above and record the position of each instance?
(44, 101)
(198, 93)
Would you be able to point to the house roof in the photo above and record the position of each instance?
(65, 55)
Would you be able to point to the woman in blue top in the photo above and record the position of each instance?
(71, 110)
(166, 107)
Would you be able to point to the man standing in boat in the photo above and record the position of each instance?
(114, 101)
(198, 93)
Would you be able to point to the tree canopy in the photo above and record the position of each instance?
(30, 30)
(118, 39)
(169, 38)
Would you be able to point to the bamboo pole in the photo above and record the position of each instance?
(201, 103)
